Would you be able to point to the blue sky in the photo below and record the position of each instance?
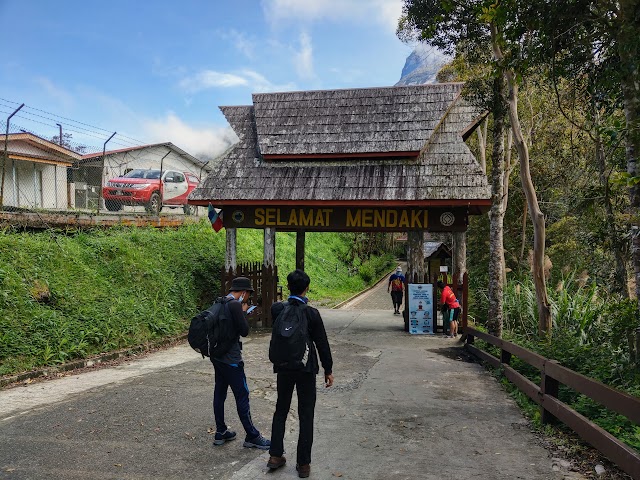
(157, 71)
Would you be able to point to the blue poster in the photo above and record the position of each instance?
(420, 308)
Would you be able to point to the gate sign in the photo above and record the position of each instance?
(376, 219)
(420, 301)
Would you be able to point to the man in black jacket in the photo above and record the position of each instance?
(304, 380)
(229, 371)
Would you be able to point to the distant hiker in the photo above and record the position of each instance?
(450, 309)
(229, 371)
(298, 331)
(396, 287)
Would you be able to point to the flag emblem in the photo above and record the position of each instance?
(215, 218)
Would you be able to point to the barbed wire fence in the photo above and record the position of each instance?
(54, 164)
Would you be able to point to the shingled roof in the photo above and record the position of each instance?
(393, 144)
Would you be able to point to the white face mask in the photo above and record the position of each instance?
(241, 299)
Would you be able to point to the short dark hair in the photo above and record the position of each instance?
(441, 284)
(298, 281)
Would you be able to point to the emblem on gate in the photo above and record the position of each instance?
(447, 219)
(237, 216)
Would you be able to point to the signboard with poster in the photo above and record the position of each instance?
(420, 301)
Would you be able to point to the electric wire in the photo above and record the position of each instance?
(71, 120)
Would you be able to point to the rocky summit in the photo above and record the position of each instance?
(421, 66)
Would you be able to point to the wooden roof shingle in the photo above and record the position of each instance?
(427, 118)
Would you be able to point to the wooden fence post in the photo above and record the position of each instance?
(548, 386)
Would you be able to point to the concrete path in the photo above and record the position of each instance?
(403, 407)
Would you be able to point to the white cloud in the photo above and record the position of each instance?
(208, 141)
(240, 41)
(304, 57)
(208, 79)
(211, 79)
(54, 92)
(382, 12)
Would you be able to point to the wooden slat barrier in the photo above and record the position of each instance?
(265, 282)
(552, 409)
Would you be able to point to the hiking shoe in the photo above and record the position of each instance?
(276, 462)
(257, 442)
(222, 437)
(303, 470)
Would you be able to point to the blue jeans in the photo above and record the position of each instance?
(234, 377)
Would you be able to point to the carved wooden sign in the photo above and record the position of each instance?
(362, 219)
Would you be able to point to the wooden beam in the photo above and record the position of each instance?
(230, 262)
(300, 237)
(320, 156)
(269, 258)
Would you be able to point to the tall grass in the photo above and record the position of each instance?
(71, 296)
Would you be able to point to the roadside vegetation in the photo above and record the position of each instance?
(69, 296)
(594, 333)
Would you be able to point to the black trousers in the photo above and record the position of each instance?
(396, 298)
(305, 385)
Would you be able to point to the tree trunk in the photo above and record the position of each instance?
(460, 255)
(537, 217)
(544, 311)
(482, 144)
(496, 214)
(508, 168)
(525, 213)
(629, 51)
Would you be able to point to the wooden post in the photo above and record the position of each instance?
(269, 247)
(416, 255)
(300, 250)
(548, 386)
(230, 261)
(459, 255)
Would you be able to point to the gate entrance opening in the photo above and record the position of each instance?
(387, 159)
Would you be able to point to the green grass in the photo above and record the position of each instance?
(71, 296)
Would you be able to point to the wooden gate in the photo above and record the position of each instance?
(264, 281)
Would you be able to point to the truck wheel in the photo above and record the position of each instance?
(155, 204)
(187, 209)
(113, 205)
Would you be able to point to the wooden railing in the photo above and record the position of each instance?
(552, 409)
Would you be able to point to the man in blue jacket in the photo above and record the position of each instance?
(229, 371)
(302, 379)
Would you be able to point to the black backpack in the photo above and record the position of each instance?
(210, 332)
(289, 347)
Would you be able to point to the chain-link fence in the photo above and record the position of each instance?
(50, 172)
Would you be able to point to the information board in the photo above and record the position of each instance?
(420, 309)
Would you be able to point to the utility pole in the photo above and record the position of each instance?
(4, 159)
(104, 147)
(60, 138)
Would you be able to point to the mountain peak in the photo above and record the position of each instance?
(421, 66)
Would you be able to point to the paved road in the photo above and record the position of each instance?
(376, 298)
(403, 407)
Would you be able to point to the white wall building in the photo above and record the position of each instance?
(95, 171)
(35, 173)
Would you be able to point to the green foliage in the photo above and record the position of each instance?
(71, 296)
(593, 335)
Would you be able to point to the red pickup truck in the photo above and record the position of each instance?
(151, 188)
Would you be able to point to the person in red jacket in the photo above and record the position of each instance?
(450, 309)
